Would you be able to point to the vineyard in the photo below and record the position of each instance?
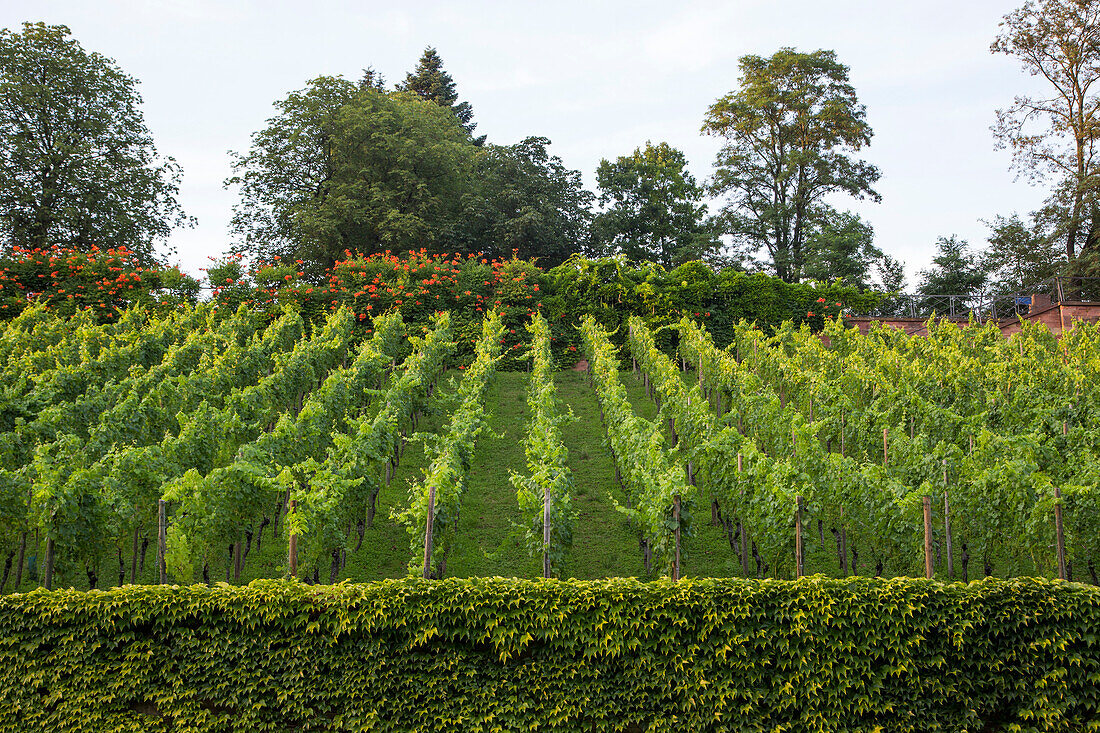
(216, 445)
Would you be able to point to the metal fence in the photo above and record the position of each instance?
(986, 305)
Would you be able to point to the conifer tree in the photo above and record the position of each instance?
(430, 81)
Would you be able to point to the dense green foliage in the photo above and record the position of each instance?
(906, 656)
(430, 82)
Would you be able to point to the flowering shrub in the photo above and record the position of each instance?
(417, 284)
(105, 281)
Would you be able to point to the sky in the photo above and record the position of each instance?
(597, 78)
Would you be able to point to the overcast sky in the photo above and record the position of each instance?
(597, 78)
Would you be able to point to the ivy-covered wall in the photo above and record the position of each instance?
(495, 654)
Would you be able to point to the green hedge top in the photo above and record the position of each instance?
(497, 654)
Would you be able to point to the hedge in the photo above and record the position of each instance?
(494, 654)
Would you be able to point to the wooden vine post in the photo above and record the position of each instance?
(744, 538)
(676, 535)
(48, 581)
(844, 546)
(1059, 535)
(546, 532)
(428, 533)
(292, 543)
(162, 540)
(928, 536)
(799, 570)
(947, 525)
(1059, 532)
(134, 555)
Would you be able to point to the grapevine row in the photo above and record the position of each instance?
(545, 494)
(431, 517)
(658, 495)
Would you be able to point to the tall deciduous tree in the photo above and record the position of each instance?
(429, 81)
(655, 208)
(523, 198)
(1020, 257)
(790, 132)
(840, 246)
(955, 270)
(1056, 134)
(78, 167)
(345, 166)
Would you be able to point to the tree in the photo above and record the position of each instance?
(1056, 135)
(1019, 257)
(429, 81)
(347, 167)
(78, 168)
(656, 208)
(790, 131)
(523, 199)
(955, 270)
(840, 246)
(891, 274)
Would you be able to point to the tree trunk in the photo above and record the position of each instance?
(334, 570)
(48, 582)
(546, 532)
(11, 555)
(428, 521)
(162, 541)
(292, 547)
(134, 554)
(676, 536)
(371, 508)
(259, 534)
(361, 527)
(19, 562)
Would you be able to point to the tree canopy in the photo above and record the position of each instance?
(955, 270)
(840, 246)
(1019, 257)
(78, 168)
(523, 199)
(790, 131)
(344, 166)
(655, 208)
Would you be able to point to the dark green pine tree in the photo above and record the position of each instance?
(430, 81)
